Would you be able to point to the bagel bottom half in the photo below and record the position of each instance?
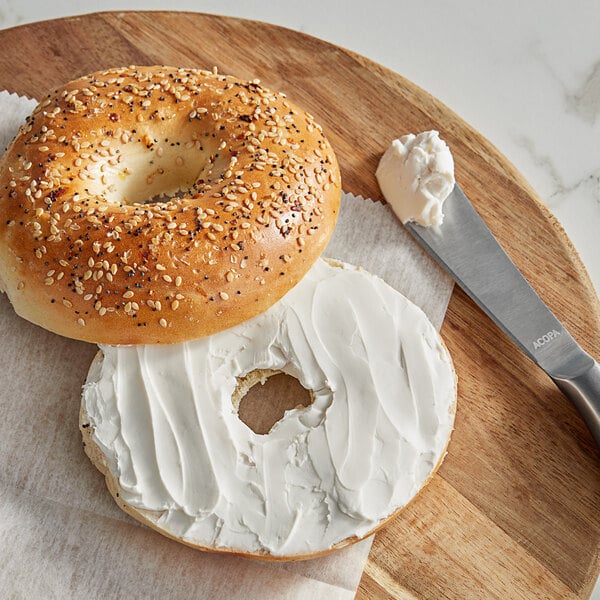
(161, 422)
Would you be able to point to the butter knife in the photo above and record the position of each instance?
(465, 247)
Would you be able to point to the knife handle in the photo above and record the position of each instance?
(584, 392)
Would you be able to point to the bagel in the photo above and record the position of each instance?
(160, 422)
(150, 205)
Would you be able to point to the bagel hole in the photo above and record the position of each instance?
(263, 397)
(151, 173)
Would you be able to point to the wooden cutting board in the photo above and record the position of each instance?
(514, 510)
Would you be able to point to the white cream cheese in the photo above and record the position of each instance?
(416, 175)
(383, 410)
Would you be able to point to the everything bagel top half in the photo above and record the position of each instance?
(244, 190)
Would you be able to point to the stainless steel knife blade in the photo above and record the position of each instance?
(465, 247)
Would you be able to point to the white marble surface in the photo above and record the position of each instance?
(525, 74)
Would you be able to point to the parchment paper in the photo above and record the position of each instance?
(61, 534)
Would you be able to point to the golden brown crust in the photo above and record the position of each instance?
(81, 255)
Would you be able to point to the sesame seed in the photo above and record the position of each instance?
(128, 294)
(224, 295)
(163, 323)
(81, 322)
(175, 304)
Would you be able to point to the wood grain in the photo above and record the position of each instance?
(513, 512)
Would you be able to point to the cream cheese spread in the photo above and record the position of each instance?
(383, 410)
(416, 175)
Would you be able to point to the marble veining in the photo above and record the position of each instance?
(586, 101)
(560, 189)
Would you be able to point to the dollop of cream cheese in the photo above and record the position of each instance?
(383, 410)
(416, 175)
